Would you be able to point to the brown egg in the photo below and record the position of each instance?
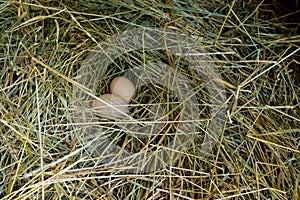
(113, 99)
(122, 87)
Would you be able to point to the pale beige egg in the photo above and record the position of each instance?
(106, 111)
(122, 87)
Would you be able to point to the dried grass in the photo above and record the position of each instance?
(256, 47)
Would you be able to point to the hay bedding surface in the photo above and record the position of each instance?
(256, 47)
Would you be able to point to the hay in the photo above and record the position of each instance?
(255, 45)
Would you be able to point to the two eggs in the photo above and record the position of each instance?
(122, 91)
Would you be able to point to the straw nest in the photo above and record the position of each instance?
(254, 45)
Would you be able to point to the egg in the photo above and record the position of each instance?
(113, 99)
(122, 87)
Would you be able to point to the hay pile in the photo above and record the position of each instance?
(255, 45)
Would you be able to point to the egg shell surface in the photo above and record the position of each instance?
(107, 111)
(122, 87)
